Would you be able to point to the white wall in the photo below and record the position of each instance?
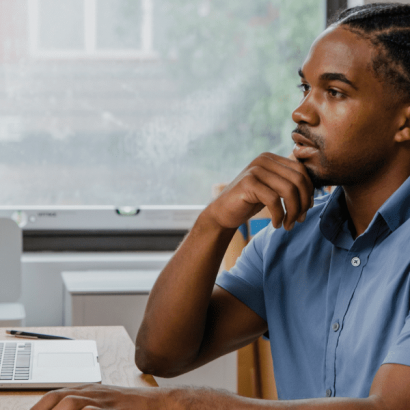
(42, 285)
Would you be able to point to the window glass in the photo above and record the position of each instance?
(119, 24)
(210, 85)
(61, 24)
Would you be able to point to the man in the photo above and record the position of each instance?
(332, 286)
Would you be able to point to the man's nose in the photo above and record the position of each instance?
(306, 112)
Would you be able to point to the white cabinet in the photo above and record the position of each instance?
(112, 298)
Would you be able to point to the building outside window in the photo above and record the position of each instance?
(91, 29)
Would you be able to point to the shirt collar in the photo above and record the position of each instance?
(395, 211)
(334, 214)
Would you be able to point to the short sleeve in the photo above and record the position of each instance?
(245, 279)
(400, 352)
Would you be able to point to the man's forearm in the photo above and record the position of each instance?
(208, 399)
(171, 338)
(175, 317)
(101, 396)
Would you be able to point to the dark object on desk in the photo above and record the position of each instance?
(19, 333)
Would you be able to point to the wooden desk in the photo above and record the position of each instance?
(116, 357)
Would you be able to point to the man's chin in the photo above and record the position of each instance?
(317, 180)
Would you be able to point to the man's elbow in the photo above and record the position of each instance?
(151, 363)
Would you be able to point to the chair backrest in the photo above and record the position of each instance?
(11, 244)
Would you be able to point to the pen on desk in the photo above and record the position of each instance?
(20, 333)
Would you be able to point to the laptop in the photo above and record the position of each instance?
(38, 364)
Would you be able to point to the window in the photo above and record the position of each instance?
(144, 102)
(60, 29)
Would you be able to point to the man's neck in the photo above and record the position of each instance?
(363, 201)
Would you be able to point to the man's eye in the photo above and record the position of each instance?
(335, 93)
(304, 87)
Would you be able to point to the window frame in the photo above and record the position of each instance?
(102, 228)
(90, 51)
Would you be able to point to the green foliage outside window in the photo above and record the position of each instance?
(253, 48)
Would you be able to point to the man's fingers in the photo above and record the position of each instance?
(48, 401)
(260, 193)
(93, 397)
(273, 159)
(292, 189)
(73, 403)
(65, 399)
(61, 401)
(265, 182)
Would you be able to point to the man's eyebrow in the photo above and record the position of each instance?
(337, 77)
(331, 76)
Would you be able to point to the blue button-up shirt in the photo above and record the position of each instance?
(336, 308)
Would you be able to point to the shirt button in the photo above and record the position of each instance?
(328, 393)
(355, 261)
(335, 326)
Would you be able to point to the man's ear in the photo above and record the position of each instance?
(403, 134)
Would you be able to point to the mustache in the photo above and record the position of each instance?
(315, 138)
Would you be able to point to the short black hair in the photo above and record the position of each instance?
(387, 27)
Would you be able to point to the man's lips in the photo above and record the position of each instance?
(300, 140)
(304, 148)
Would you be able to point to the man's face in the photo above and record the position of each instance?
(347, 116)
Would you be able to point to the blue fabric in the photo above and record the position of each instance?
(243, 229)
(303, 282)
(257, 225)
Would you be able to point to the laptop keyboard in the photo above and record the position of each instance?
(15, 361)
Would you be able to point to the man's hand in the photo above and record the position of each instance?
(267, 180)
(97, 396)
(100, 397)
